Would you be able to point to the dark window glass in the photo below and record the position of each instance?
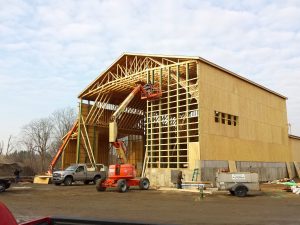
(229, 119)
(235, 120)
(223, 118)
(217, 117)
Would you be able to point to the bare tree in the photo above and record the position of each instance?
(9, 146)
(27, 144)
(63, 120)
(39, 132)
(1, 147)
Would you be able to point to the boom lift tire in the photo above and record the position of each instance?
(95, 179)
(68, 181)
(122, 185)
(99, 186)
(144, 183)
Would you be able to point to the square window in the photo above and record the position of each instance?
(229, 119)
(235, 120)
(217, 117)
(223, 118)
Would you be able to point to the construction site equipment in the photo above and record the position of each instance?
(61, 149)
(78, 172)
(148, 92)
(123, 175)
(195, 174)
(238, 183)
(42, 179)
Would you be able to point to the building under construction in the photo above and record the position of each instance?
(208, 118)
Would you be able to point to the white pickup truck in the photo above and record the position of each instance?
(79, 172)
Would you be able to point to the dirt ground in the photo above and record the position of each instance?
(271, 206)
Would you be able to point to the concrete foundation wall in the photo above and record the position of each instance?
(162, 177)
(267, 171)
(210, 167)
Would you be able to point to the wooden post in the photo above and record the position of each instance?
(78, 133)
(199, 117)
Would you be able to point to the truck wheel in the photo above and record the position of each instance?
(2, 187)
(68, 181)
(231, 192)
(86, 182)
(57, 184)
(122, 185)
(99, 185)
(240, 191)
(144, 183)
(96, 178)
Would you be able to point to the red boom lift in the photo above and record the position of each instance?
(123, 175)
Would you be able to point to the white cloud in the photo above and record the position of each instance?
(50, 48)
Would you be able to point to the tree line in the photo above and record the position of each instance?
(38, 140)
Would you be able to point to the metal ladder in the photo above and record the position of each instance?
(195, 174)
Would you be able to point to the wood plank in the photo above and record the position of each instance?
(297, 168)
(232, 166)
(288, 166)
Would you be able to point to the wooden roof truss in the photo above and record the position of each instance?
(171, 115)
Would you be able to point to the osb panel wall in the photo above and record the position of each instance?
(102, 152)
(69, 155)
(83, 157)
(295, 147)
(136, 153)
(261, 133)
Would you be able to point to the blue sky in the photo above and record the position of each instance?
(51, 50)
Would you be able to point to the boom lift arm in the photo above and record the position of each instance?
(148, 92)
(62, 147)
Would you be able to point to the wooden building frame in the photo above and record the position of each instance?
(168, 133)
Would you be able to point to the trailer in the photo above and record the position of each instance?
(238, 183)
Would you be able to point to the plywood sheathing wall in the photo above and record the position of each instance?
(261, 133)
(69, 154)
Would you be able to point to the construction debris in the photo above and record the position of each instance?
(296, 189)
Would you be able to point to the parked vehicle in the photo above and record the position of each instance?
(79, 172)
(4, 184)
(123, 175)
(238, 183)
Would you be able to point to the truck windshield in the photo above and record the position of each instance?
(71, 168)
